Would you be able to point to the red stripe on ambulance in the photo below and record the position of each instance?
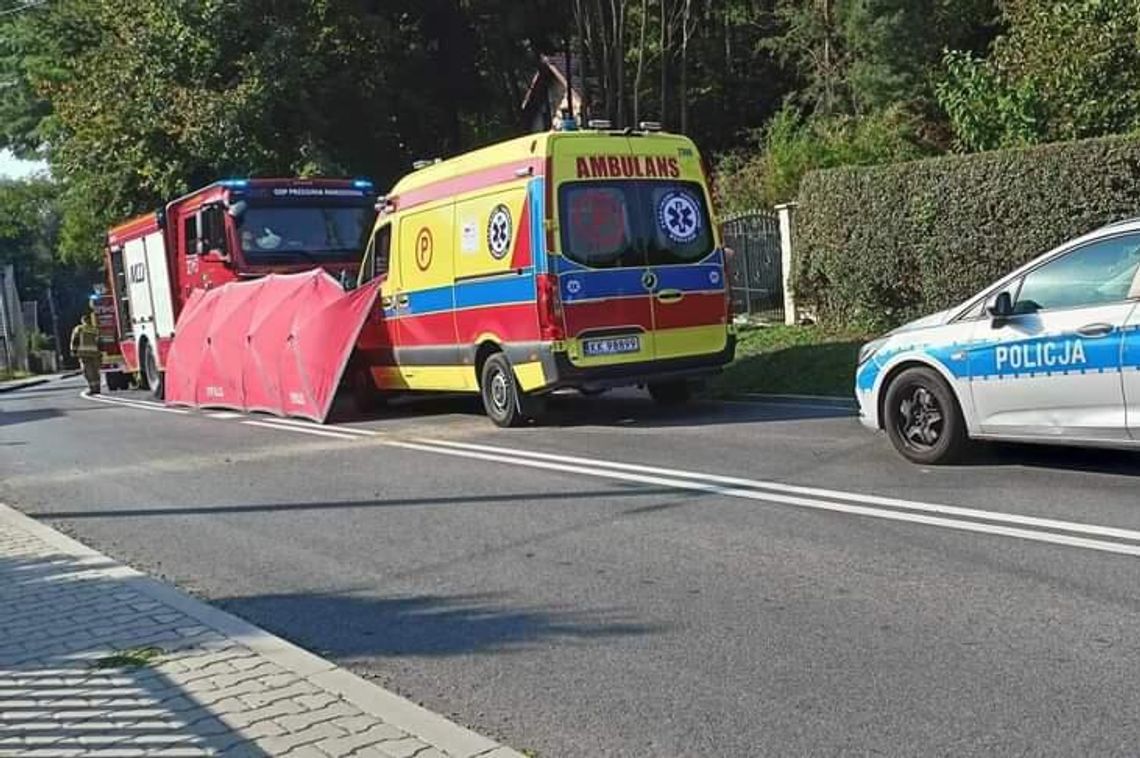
(609, 314)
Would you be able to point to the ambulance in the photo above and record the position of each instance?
(575, 259)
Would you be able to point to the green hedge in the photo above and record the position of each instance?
(879, 246)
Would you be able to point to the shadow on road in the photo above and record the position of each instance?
(448, 500)
(625, 408)
(358, 625)
(1086, 460)
(11, 418)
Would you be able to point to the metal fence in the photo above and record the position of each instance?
(756, 271)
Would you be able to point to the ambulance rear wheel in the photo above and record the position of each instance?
(671, 394)
(923, 420)
(500, 392)
(154, 377)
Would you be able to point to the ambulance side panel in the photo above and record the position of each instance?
(426, 351)
(495, 276)
(494, 287)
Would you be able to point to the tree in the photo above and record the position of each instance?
(135, 102)
(29, 229)
(1061, 71)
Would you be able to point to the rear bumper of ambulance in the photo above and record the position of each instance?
(560, 373)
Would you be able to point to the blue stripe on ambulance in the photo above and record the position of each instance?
(579, 283)
(511, 287)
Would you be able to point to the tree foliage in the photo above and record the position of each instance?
(1064, 69)
(793, 145)
(134, 102)
(879, 246)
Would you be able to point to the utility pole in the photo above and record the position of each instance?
(57, 338)
(4, 327)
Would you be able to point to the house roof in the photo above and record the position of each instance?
(553, 66)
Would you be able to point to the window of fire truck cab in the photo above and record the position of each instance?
(213, 226)
(378, 254)
(191, 243)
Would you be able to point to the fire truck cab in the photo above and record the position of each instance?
(231, 230)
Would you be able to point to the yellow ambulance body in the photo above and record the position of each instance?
(571, 259)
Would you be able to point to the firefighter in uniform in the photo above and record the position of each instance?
(85, 345)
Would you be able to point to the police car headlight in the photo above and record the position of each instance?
(868, 351)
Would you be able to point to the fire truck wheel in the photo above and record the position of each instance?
(500, 392)
(154, 377)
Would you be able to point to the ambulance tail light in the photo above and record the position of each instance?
(549, 309)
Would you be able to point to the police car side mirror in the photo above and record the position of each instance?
(1001, 306)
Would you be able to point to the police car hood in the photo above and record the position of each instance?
(934, 319)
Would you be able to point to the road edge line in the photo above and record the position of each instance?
(824, 401)
(429, 726)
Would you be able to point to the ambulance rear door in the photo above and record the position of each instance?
(685, 259)
(603, 277)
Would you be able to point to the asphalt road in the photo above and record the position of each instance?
(732, 580)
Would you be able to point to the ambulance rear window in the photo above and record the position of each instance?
(634, 223)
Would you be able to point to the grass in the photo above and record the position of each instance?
(794, 360)
(6, 375)
(129, 659)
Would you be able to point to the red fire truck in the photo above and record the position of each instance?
(231, 230)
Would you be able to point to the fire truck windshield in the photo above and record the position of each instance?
(303, 234)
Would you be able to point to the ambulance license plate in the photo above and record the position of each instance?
(611, 346)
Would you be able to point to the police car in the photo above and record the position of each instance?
(1050, 353)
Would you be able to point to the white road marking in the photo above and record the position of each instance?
(136, 404)
(874, 500)
(225, 416)
(310, 425)
(595, 469)
(892, 509)
(315, 430)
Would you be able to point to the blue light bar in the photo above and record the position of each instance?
(362, 184)
(234, 183)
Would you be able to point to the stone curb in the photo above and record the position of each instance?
(24, 384)
(374, 700)
(828, 401)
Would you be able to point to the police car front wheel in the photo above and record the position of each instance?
(923, 419)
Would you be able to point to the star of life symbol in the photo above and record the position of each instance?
(499, 231)
(679, 216)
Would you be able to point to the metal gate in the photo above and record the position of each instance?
(756, 271)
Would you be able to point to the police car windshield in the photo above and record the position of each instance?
(303, 233)
(634, 223)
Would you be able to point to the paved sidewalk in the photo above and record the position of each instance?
(215, 686)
